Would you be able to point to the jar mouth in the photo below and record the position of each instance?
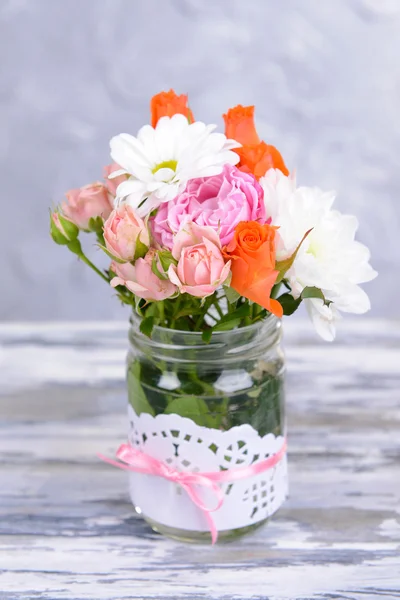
(269, 319)
(188, 346)
(164, 342)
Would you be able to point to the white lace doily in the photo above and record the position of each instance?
(185, 446)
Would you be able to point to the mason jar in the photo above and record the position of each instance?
(205, 407)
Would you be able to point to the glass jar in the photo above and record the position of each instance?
(206, 407)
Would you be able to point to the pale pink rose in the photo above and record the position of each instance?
(125, 234)
(88, 202)
(113, 183)
(220, 202)
(191, 234)
(141, 281)
(201, 268)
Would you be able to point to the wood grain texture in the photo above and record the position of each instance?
(67, 528)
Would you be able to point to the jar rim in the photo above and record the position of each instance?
(270, 319)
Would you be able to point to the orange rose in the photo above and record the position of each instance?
(259, 158)
(168, 104)
(239, 125)
(256, 157)
(252, 251)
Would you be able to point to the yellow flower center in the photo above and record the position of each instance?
(314, 249)
(167, 164)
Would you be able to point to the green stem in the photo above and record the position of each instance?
(76, 248)
(260, 316)
(100, 238)
(256, 309)
(275, 290)
(175, 311)
(207, 304)
(161, 312)
(218, 308)
(198, 322)
(92, 266)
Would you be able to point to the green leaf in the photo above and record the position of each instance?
(284, 265)
(231, 295)
(123, 299)
(155, 269)
(219, 413)
(138, 302)
(151, 309)
(314, 292)
(188, 311)
(146, 326)
(227, 282)
(95, 224)
(289, 304)
(114, 258)
(206, 335)
(182, 324)
(240, 313)
(190, 407)
(228, 321)
(136, 395)
(166, 259)
(227, 325)
(140, 250)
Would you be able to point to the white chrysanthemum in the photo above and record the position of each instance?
(329, 258)
(161, 160)
(277, 187)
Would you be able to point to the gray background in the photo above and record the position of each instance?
(324, 76)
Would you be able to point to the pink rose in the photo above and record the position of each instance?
(113, 183)
(201, 268)
(220, 202)
(83, 204)
(125, 234)
(140, 279)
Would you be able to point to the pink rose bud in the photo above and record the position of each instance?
(125, 234)
(201, 267)
(62, 230)
(141, 281)
(111, 182)
(86, 203)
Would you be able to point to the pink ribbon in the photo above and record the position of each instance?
(132, 459)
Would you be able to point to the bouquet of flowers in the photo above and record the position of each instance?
(211, 242)
(208, 232)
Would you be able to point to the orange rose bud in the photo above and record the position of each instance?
(259, 158)
(168, 104)
(252, 251)
(239, 125)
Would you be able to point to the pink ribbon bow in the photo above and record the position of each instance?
(132, 459)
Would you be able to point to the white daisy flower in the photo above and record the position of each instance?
(329, 259)
(161, 160)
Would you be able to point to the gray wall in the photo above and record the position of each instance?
(324, 76)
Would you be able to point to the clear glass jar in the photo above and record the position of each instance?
(236, 379)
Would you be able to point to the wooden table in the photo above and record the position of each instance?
(68, 529)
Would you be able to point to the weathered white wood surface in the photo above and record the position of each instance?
(67, 529)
